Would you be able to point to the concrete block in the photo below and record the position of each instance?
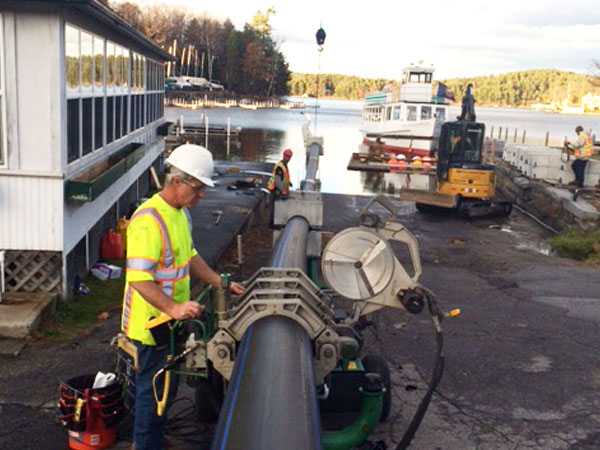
(525, 155)
(565, 173)
(545, 159)
(592, 173)
(548, 173)
(510, 153)
(305, 204)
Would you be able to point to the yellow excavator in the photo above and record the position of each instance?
(463, 182)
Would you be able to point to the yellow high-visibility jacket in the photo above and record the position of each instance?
(159, 249)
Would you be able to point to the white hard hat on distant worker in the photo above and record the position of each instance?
(194, 160)
(400, 157)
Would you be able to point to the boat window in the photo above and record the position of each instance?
(419, 77)
(397, 110)
(388, 113)
(372, 114)
(440, 114)
(425, 112)
(411, 113)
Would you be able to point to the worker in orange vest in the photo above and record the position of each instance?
(279, 183)
(582, 149)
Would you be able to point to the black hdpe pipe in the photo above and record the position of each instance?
(271, 401)
(290, 249)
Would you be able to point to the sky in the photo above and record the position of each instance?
(460, 38)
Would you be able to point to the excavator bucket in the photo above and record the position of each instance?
(429, 198)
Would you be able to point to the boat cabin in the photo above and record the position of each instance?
(416, 84)
(408, 120)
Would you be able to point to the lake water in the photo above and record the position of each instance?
(267, 132)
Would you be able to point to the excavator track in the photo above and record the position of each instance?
(484, 208)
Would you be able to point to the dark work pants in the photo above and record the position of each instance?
(579, 171)
(148, 427)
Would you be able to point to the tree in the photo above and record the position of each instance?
(131, 13)
(260, 22)
(256, 67)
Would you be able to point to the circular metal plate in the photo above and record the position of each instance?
(358, 263)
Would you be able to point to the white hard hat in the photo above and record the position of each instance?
(400, 157)
(194, 160)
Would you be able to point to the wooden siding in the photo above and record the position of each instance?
(31, 211)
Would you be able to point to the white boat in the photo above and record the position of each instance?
(408, 121)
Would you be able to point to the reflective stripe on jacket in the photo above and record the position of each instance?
(587, 149)
(159, 249)
(285, 185)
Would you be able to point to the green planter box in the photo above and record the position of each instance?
(88, 186)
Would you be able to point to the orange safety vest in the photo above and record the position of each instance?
(587, 149)
(272, 186)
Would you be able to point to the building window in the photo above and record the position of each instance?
(72, 58)
(2, 100)
(111, 92)
(72, 130)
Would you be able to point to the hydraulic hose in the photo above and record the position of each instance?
(436, 376)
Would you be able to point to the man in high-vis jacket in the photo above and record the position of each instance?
(582, 149)
(160, 259)
(279, 183)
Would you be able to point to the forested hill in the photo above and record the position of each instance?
(527, 87)
(509, 89)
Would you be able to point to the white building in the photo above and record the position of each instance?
(81, 108)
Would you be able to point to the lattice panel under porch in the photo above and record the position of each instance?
(31, 271)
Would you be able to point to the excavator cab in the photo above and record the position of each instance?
(460, 147)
